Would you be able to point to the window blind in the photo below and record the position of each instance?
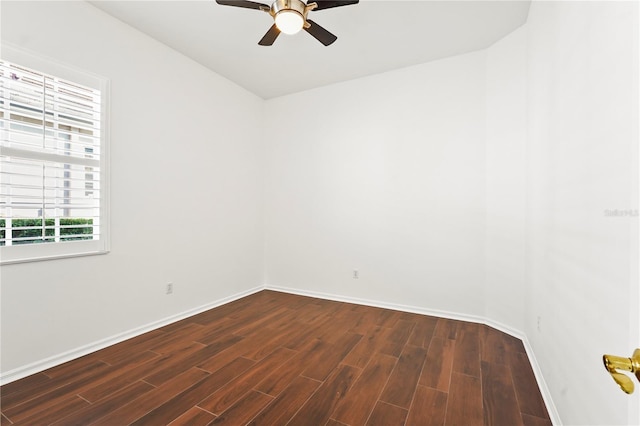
(50, 149)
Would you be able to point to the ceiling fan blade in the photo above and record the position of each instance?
(322, 35)
(244, 3)
(270, 36)
(326, 4)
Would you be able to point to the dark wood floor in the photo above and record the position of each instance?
(273, 359)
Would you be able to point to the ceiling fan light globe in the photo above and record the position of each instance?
(289, 21)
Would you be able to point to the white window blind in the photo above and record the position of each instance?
(51, 143)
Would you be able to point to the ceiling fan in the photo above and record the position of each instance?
(290, 16)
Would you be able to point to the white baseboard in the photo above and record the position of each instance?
(38, 366)
(378, 304)
(542, 384)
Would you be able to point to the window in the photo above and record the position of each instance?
(53, 161)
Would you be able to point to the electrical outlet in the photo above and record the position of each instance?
(169, 288)
(356, 274)
(539, 321)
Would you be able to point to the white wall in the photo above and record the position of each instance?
(505, 178)
(186, 185)
(582, 160)
(386, 175)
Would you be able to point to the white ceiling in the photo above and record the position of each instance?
(373, 36)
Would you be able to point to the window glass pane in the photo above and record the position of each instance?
(51, 165)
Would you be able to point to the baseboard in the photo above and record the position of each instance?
(542, 384)
(379, 304)
(38, 366)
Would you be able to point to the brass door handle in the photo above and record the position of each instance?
(615, 363)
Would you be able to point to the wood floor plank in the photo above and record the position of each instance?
(4, 421)
(335, 327)
(263, 322)
(246, 346)
(198, 357)
(272, 358)
(423, 331)
(150, 400)
(280, 378)
(287, 403)
(356, 407)
(124, 369)
(194, 417)
(228, 394)
(388, 415)
(398, 337)
(23, 396)
(228, 328)
(466, 355)
(68, 369)
(317, 410)
(323, 366)
(50, 399)
(371, 343)
(464, 405)
(387, 318)
(349, 318)
(93, 412)
(121, 351)
(214, 330)
(244, 409)
(180, 402)
(53, 412)
(513, 344)
(363, 321)
(404, 378)
(251, 307)
(298, 337)
(224, 311)
(121, 379)
(498, 396)
(428, 408)
(446, 329)
(526, 387)
(29, 384)
(535, 421)
(283, 323)
(289, 299)
(182, 336)
(437, 369)
(312, 312)
(494, 350)
(279, 339)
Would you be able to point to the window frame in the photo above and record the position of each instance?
(65, 249)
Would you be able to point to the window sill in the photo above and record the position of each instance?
(45, 252)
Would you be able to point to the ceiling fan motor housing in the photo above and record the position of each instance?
(292, 5)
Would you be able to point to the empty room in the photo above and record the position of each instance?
(349, 212)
